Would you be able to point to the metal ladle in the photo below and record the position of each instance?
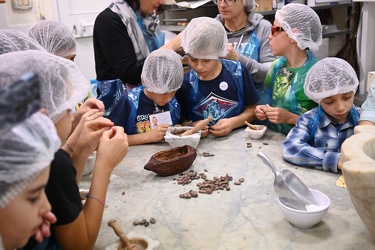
(291, 190)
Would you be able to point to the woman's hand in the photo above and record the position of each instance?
(232, 54)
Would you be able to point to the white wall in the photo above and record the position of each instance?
(52, 10)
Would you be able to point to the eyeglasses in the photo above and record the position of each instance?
(227, 2)
(275, 29)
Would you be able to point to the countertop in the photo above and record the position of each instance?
(246, 217)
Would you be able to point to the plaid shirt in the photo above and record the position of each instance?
(323, 150)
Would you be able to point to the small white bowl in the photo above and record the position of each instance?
(311, 217)
(256, 134)
(179, 141)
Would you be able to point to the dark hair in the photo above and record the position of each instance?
(134, 4)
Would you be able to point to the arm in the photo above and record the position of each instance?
(85, 139)
(157, 134)
(83, 231)
(113, 46)
(258, 70)
(297, 150)
(279, 115)
(226, 125)
(88, 105)
(175, 44)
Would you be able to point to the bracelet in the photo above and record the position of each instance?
(92, 197)
(70, 147)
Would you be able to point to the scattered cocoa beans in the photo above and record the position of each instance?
(207, 186)
(144, 222)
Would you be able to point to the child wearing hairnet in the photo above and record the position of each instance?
(62, 85)
(214, 87)
(55, 38)
(28, 142)
(368, 108)
(162, 76)
(297, 32)
(316, 139)
(13, 40)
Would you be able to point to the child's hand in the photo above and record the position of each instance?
(113, 147)
(260, 112)
(89, 116)
(277, 115)
(44, 229)
(91, 133)
(158, 133)
(204, 132)
(221, 128)
(89, 104)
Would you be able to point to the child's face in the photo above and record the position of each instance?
(154, 120)
(205, 68)
(20, 219)
(279, 41)
(64, 125)
(338, 106)
(161, 99)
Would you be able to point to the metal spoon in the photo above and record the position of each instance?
(291, 190)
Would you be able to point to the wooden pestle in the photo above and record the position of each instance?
(130, 246)
(200, 125)
(251, 126)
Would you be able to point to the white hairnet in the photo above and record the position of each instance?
(328, 77)
(249, 5)
(62, 84)
(14, 40)
(302, 24)
(162, 71)
(25, 151)
(55, 37)
(204, 38)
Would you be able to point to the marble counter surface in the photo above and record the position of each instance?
(246, 217)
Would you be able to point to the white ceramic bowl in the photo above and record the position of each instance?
(311, 217)
(256, 134)
(179, 141)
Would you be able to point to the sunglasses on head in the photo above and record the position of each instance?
(275, 29)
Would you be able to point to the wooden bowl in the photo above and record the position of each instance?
(173, 161)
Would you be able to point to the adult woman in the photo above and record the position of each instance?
(247, 34)
(124, 34)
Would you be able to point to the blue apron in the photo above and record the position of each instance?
(133, 98)
(195, 96)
